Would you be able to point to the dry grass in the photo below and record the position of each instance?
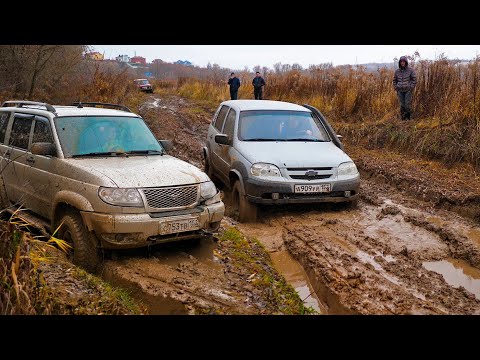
(33, 280)
(364, 106)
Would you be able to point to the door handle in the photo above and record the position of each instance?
(30, 159)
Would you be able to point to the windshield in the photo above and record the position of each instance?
(82, 135)
(280, 125)
(142, 82)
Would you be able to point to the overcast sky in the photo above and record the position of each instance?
(239, 56)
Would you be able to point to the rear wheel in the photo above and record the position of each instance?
(242, 209)
(84, 250)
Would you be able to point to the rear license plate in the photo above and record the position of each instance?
(177, 226)
(311, 189)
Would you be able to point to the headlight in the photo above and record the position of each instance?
(207, 190)
(347, 170)
(121, 197)
(262, 169)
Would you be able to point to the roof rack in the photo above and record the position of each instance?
(95, 104)
(22, 103)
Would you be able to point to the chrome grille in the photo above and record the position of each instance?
(173, 197)
(315, 177)
(310, 173)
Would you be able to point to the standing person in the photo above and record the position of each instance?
(234, 83)
(404, 82)
(258, 84)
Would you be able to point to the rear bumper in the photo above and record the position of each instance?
(123, 231)
(260, 192)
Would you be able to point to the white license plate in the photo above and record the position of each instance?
(177, 226)
(307, 189)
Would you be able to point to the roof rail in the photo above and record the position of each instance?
(95, 104)
(22, 103)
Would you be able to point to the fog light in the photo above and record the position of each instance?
(275, 196)
(348, 193)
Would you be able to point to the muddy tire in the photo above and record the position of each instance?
(242, 209)
(351, 204)
(208, 169)
(85, 252)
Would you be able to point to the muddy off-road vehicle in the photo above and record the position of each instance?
(98, 171)
(144, 85)
(273, 152)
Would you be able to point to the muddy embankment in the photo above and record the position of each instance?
(410, 247)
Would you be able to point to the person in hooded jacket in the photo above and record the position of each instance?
(404, 82)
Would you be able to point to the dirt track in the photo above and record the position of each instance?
(375, 259)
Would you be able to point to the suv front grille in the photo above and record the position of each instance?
(315, 177)
(172, 197)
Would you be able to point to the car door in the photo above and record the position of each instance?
(40, 171)
(213, 130)
(225, 150)
(4, 150)
(18, 144)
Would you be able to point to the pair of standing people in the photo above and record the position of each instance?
(258, 84)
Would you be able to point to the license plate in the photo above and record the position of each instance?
(307, 189)
(177, 226)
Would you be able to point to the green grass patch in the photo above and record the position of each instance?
(249, 256)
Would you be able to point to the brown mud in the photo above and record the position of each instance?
(411, 246)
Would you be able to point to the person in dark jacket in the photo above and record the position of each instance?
(404, 82)
(258, 84)
(234, 83)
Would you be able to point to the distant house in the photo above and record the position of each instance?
(138, 60)
(157, 61)
(123, 58)
(183, 62)
(94, 55)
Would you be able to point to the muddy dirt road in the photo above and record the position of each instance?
(396, 253)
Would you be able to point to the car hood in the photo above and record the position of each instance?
(142, 171)
(294, 154)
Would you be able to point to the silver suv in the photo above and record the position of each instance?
(102, 175)
(273, 152)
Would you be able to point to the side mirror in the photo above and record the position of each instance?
(340, 137)
(222, 139)
(43, 148)
(166, 144)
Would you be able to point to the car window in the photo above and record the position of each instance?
(20, 133)
(221, 118)
(4, 116)
(280, 125)
(42, 131)
(230, 123)
(81, 135)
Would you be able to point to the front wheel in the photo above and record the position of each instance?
(242, 209)
(84, 250)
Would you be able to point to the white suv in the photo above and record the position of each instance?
(103, 176)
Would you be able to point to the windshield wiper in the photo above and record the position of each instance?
(146, 152)
(260, 139)
(301, 139)
(107, 153)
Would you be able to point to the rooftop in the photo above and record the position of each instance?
(62, 110)
(244, 105)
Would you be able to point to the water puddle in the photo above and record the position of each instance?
(297, 277)
(457, 273)
(156, 305)
(367, 258)
(176, 252)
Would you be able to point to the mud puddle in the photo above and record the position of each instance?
(457, 273)
(296, 276)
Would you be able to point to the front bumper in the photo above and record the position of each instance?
(123, 231)
(260, 192)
